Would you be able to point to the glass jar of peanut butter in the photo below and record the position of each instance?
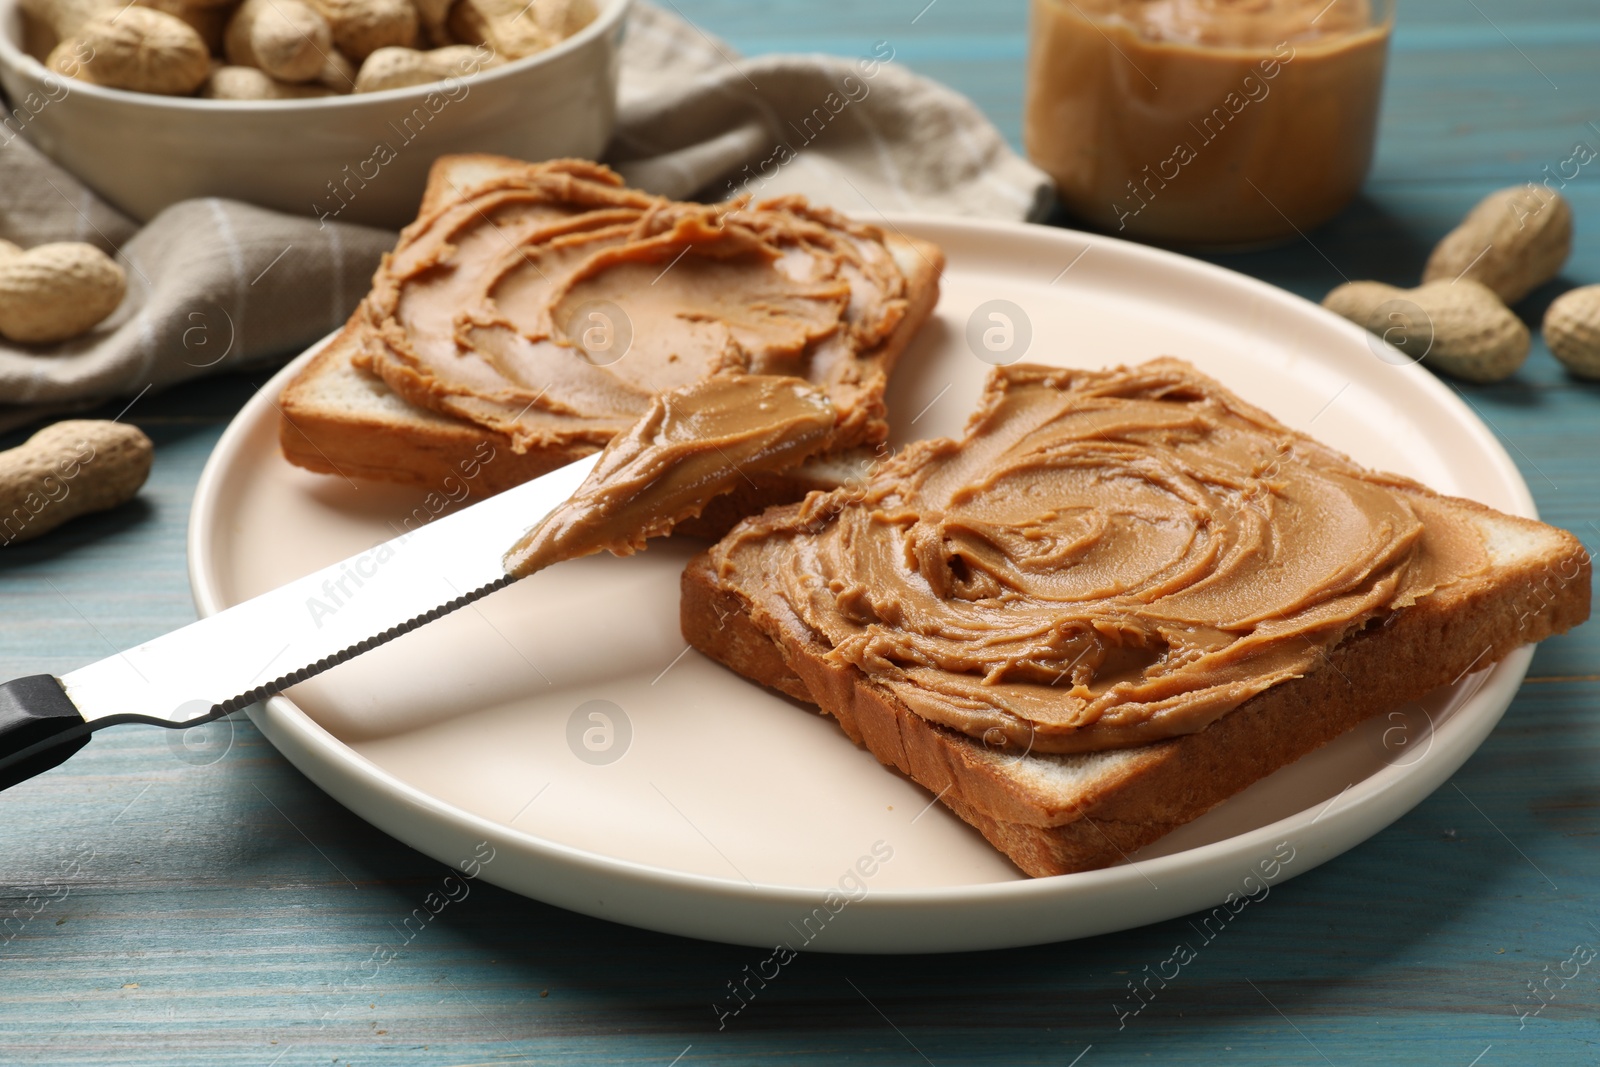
(1211, 123)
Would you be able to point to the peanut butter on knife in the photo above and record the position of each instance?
(692, 444)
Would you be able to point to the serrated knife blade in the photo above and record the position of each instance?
(263, 645)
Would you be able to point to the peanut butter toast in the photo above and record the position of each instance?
(1121, 598)
(533, 310)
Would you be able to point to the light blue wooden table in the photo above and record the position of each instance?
(214, 914)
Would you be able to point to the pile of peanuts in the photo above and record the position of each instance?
(289, 49)
(1460, 319)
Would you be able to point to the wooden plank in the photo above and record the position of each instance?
(224, 912)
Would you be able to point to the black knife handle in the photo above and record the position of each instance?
(38, 722)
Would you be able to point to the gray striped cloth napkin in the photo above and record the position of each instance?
(218, 285)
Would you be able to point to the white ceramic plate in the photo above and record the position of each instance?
(736, 815)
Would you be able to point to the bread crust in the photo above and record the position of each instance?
(1137, 795)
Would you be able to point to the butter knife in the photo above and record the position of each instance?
(212, 667)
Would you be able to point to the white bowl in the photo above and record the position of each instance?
(319, 157)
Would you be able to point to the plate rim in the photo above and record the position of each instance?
(1373, 808)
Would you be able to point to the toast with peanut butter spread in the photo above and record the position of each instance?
(1122, 597)
(532, 311)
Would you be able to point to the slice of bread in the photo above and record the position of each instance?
(337, 418)
(1055, 814)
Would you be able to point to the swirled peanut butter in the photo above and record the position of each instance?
(553, 304)
(1210, 122)
(1106, 559)
(693, 444)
